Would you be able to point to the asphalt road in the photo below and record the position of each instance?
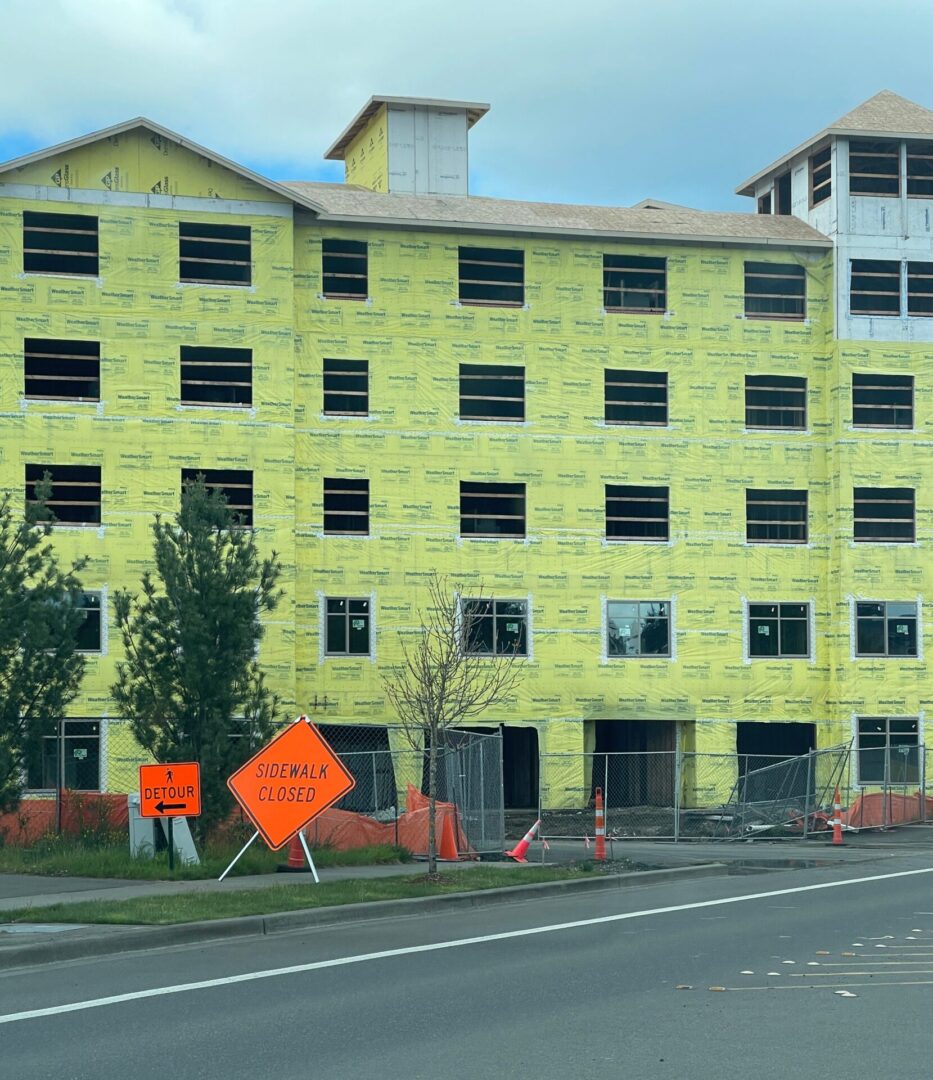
(578, 987)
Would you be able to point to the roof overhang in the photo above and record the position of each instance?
(475, 110)
(172, 136)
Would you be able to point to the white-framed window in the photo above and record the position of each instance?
(779, 631)
(887, 628)
(348, 626)
(495, 627)
(888, 750)
(638, 628)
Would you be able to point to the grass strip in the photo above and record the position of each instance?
(221, 904)
(69, 858)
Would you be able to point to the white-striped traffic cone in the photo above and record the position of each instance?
(518, 852)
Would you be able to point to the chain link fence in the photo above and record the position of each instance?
(93, 765)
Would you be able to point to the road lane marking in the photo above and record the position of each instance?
(410, 950)
(828, 986)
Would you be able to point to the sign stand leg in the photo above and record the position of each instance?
(237, 856)
(171, 845)
(304, 844)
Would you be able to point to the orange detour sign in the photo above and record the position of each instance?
(170, 791)
(289, 782)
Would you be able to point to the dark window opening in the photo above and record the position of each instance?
(60, 243)
(492, 392)
(782, 195)
(775, 401)
(875, 287)
(874, 167)
(492, 509)
(775, 291)
(634, 283)
(89, 632)
(775, 516)
(75, 498)
(214, 254)
(636, 397)
(920, 169)
(344, 265)
(888, 750)
(637, 513)
(236, 486)
(492, 276)
(638, 628)
(764, 203)
(885, 514)
(779, 630)
(70, 758)
(346, 387)
(495, 627)
(348, 626)
(346, 506)
(821, 179)
(883, 401)
(619, 765)
(57, 370)
(211, 375)
(885, 628)
(919, 288)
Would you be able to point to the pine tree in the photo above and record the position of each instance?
(190, 682)
(40, 616)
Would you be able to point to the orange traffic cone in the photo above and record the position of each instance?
(599, 852)
(447, 848)
(296, 859)
(518, 852)
(837, 820)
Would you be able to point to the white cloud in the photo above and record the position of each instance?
(602, 100)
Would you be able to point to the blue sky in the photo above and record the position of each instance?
(601, 102)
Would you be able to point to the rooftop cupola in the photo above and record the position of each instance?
(408, 146)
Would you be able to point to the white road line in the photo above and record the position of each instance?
(409, 950)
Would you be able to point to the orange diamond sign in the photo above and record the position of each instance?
(289, 782)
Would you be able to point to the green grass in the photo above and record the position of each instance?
(221, 904)
(65, 857)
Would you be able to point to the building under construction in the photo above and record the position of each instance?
(681, 450)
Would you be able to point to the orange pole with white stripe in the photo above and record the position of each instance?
(599, 853)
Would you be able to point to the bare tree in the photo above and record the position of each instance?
(444, 679)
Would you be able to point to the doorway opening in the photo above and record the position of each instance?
(634, 762)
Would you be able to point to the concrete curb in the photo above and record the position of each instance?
(107, 942)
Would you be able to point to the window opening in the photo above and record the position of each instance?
(346, 506)
(60, 243)
(888, 750)
(882, 400)
(492, 509)
(495, 627)
(56, 370)
(636, 397)
(634, 283)
(782, 195)
(76, 748)
(919, 288)
(764, 203)
(75, 498)
(236, 485)
(775, 516)
(874, 167)
(210, 254)
(348, 625)
(346, 387)
(775, 401)
(885, 514)
(638, 628)
(920, 169)
(89, 632)
(779, 630)
(492, 392)
(211, 375)
(344, 266)
(821, 179)
(775, 291)
(492, 276)
(885, 628)
(875, 287)
(637, 513)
